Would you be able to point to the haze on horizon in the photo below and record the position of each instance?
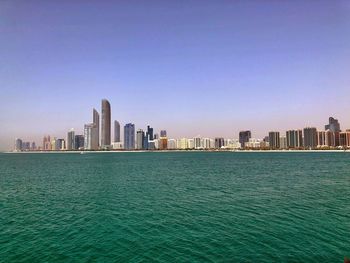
(191, 67)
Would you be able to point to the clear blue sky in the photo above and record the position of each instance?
(190, 67)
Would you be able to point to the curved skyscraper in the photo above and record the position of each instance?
(105, 124)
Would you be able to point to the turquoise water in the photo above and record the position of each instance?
(175, 207)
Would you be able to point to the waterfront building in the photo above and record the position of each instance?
(244, 137)
(163, 133)
(283, 142)
(47, 143)
(140, 135)
(70, 140)
(171, 144)
(129, 136)
(310, 138)
(153, 144)
(156, 136)
(333, 125)
(18, 145)
(145, 141)
(61, 144)
(182, 144)
(321, 139)
(206, 143)
(190, 143)
(54, 144)
(197, 142)
(344, 139)
(149, 133)
(79, 142)
(253, 143)
(219, 142)
(105, 124)
(163, 143)
(33, 147)
(116, 131)
(212, 144)
(117, 146)
(90, 135)
(274, 140)
(332, 138)
(233, 144)
(294, 139)
(96, 121)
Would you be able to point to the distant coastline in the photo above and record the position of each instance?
(167, 151)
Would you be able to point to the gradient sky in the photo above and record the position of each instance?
(208, 68)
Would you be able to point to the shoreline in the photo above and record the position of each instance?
(167, 151)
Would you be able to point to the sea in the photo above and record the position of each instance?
(175, 207)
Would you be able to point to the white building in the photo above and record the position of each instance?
(171, 144)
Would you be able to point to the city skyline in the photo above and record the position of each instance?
(331, 137)
(212, 69)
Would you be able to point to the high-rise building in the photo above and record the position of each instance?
(332, 138)
(163, 133)
(344, 139)
(149, 133)
(197, 142)
(274, 140)
(129, 136)
(96, 122)
(294, 139)
(116, 131)
(206, 143)
(171, 144)
(310, 138)
(163, 143)
(106, 124)
(79, 142)
(244, 137)
(321, 139)
(140, 134)
(47, 143)
(219, 142)
(61, 144)
(90, 136)
(18, 145)
(33, 147)
(283, 142)
(333, 125)
(70, 140)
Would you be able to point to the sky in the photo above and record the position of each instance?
(209, 68)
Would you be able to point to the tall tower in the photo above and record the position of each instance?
(116, 131)
(106, 124)
(96, 122)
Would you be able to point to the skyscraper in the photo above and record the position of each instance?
(116, 131)
(149, 133)
(90, 136)
(129, 136)
(106, 124)
(219, 142)
(274, 140)
(244, 137)
(96, 121)
(163, 133)
(333, 125)
(79, 142)
(18, 145)
(310, 138)
(70, 140)
(294, 139)
(140, 139)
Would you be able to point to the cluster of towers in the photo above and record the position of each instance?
(97, 136)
